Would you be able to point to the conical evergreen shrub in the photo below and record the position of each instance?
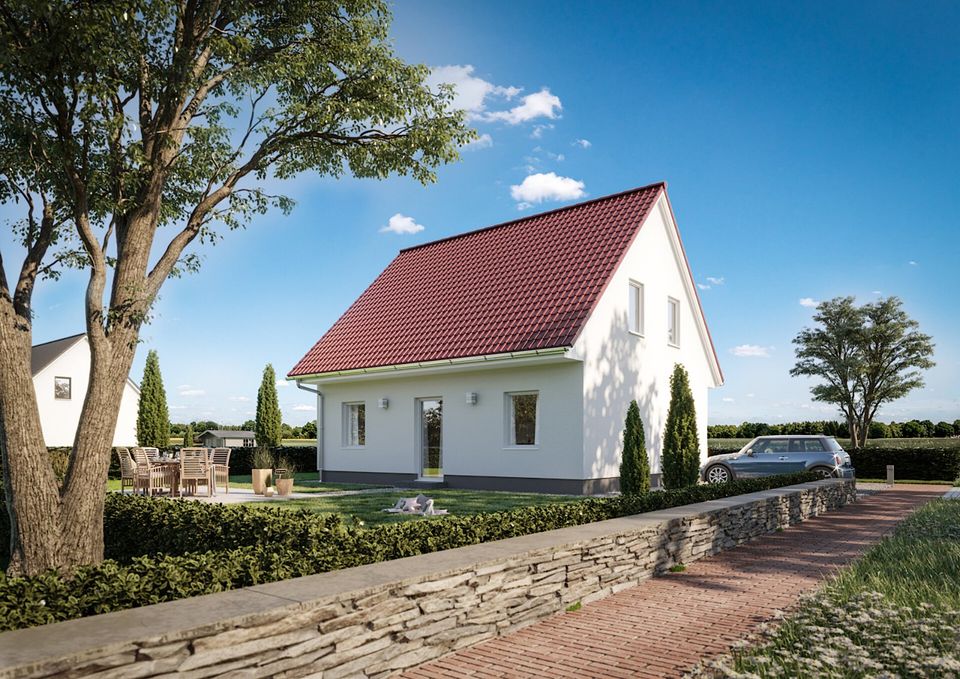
(269, 424)
(188, 436)
(634, 466)
(681, 445)
(153, 417)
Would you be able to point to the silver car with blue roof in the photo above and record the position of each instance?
(770, 455)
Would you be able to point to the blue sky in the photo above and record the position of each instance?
(810, 151)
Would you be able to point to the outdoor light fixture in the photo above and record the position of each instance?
(384, 403)
(471, 398)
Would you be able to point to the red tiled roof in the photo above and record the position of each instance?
(522, 285)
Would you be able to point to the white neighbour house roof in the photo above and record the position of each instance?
(229, 433)
(44, 355)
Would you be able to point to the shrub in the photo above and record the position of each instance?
(153, 418)
(268, 424)
(634, 465)
(262, 458)
(681, 446)
(256, 545)
(920, 464)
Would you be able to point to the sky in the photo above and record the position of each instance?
(810, 150)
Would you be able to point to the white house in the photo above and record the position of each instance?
(506, 358)
(61, 370)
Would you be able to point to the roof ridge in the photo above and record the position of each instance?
(61, 339)
(618, 194)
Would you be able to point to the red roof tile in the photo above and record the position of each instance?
(526, 284)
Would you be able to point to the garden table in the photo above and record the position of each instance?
(172, 467)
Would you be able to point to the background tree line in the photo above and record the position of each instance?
(913, 429)
(307, 431)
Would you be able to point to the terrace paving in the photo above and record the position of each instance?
(664, 626)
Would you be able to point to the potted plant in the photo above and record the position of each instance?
(262, 470)
(285, 476)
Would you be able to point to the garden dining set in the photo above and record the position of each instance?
(148, 471)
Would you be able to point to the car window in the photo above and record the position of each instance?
(806, 446)
(833, 446)
(772, 446)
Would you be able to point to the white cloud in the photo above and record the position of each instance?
(402, 224)
(538, 130)
(559, 157)
(728, 400)
(178, 407)
(282, 383)
(751, 395)
(540, 104)
(912, 263)
(713, 280)
(484, 141)
(187, 390)
(470, 92)
(582, 143)
(751, 351)
(241, 399)
(877, 292)
(540, 187)
(703, 286)
(302, 407)
(808, 302)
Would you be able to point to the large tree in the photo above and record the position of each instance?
(131, 129)
(864, 356)
(153, 416)
(269, 425)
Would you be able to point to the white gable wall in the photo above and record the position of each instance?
(620, 366)
(473, 435)
(59, 418)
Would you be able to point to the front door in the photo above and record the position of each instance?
(430, 413)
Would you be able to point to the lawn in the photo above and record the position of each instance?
(305, 482)
(893, 613)
(368, 508)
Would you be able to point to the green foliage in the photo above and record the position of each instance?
(269, 427)
(197, 548)
(681, 444)
(188, 436)
(309, 430)
(921, 464)
(634, 466)
(574, 607)
(677, 568)
(153, 418)
(865, 356)
(262, 458)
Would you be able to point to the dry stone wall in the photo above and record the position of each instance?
(375, 620)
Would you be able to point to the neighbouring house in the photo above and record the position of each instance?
(61, 370)
(506, 358)
(223, 438)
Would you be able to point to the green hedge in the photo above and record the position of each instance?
(257, 545)
(926, 464)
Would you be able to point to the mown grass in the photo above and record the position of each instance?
(369, 508)
(894, 613)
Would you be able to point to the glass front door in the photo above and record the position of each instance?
(431, 437)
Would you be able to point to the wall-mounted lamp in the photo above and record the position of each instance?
(471, 398)
(384, 403)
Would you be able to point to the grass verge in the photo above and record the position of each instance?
(894, 613)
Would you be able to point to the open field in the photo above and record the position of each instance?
(733, 445)
(368, 508)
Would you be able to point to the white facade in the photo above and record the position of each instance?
(582, 391)
(60, 415)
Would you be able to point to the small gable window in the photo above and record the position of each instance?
(354, 424)
(673, 321)
(522, 410)
(635, 308)
(62, 388)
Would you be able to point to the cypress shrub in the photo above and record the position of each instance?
(153, 417)
(681, 446)
(188, 436)
(634, 465)
(269, 424)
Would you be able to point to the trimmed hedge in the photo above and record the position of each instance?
(264, 545)
(918, 464)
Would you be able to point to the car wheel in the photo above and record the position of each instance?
(823, 472)
(718, 474)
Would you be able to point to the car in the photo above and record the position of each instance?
(769, 455)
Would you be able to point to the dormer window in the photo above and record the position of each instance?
(62, 388)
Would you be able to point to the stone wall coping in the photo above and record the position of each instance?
(171, 621)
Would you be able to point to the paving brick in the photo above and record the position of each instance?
(665, 625)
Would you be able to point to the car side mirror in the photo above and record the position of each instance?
(749, 452)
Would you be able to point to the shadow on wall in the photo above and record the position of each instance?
(605, 402)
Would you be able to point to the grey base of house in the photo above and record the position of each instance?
(516, 484)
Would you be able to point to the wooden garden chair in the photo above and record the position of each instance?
(150, 477)
(128, 470)
(195, 469)
(220, 460)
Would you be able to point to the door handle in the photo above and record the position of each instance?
(783, 457)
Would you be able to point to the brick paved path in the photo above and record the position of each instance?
(664, 626)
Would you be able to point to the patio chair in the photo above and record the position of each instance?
(220, 459)
(152, 453)
(150, 477)
(195, 469)
(128, 470)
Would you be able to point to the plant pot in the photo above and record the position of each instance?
(284, 486)
(268, 491)
(261, 479)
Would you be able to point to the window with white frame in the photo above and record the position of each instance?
(635, 308)
(673, 321)
(354, 424)
(522, 418)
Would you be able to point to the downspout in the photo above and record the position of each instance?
(319, 395)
